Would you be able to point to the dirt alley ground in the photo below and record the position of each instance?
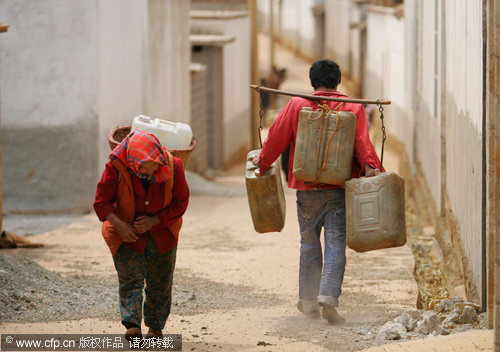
(234, 289)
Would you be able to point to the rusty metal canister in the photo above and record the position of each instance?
(375, 212)
(265, 196)
(324, 146)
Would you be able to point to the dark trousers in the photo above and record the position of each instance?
(154, 269)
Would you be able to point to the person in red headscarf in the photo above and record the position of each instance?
(140, 199)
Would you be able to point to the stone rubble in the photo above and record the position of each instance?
(449, 316)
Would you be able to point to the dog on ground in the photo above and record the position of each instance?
(10, 240)
(273, 80)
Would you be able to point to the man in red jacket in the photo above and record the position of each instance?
(319, 205)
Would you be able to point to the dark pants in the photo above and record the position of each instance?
(157, 270)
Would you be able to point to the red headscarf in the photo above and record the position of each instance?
(139, 147)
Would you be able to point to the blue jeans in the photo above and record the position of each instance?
(321, 281)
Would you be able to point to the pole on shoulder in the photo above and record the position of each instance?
(319, 97)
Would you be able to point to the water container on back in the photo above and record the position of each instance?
(324, 146)
(265, 196)
(375, 212)
(173, 135)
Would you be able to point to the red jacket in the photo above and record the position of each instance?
(284, 131)
(146, 203)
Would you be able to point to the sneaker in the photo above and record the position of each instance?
(314, 314)
(330, 313)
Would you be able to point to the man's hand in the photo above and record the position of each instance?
(145, 223)
(370, 171)
(255, 160)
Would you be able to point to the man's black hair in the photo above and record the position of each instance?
(325, 73)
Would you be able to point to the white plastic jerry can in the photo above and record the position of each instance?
(173, 135)
(265, 196)
(375, 212)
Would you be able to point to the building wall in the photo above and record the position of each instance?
(296, 28)
(49, 78)
(428, 103)
(236, 79)
(464, 121)
(385, 71)
(121, 67)
(337, 32)
(212, 58)
(199, 117)
(72, 70)
(447, 53)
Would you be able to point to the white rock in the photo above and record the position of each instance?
(468, 315)
(407, 321)
(392, 330)
(430, 323)
(415, 314)
(462, 305)
(445, 305)
(483, 320)
(453, 317)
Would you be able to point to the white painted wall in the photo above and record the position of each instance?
(464, 118)
(72, 70)
(385, 72)
(297, 23)
(48, 62)
(139, 74)
(236, 61)
(337, 32)
(444, 88)
(121, 66)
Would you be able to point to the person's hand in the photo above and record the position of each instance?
(255, 160)
(145, 223)
(370, 171)
(126, 232)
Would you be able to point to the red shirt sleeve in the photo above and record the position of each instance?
(364, 153)
(279, 137)
(180, 197)
(107, 192)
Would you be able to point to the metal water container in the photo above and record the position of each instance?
(324, 146)
(265, 196)
(375, 212)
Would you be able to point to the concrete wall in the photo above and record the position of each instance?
(236, 78)
(446, 48)
(385, 71)
(337, 32)
(212, 58)
(295, 28)
(464, 125)
(199, 117)
(49, 78)
(72, 70)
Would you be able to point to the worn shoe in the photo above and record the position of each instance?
(154, 333)
(314, 314)
(132, 333)
(329, 313)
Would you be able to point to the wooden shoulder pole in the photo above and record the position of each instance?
(319, 97)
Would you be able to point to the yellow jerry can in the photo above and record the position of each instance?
(375, 212)
(265, 196)
(324, 146)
